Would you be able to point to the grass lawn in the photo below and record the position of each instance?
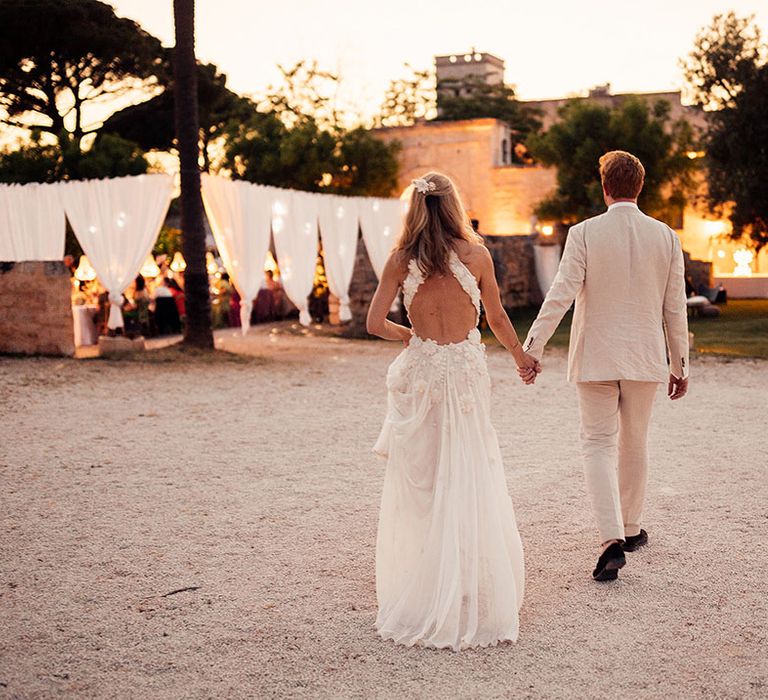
(740, 331)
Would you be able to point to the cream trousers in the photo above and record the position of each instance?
(614, 436)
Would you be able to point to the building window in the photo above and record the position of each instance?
(504, 152)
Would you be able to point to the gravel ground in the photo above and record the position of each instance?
(205, 528)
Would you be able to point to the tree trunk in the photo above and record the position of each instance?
(197, 332)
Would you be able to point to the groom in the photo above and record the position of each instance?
(625, 272)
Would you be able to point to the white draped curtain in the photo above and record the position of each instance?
(294, 227)
(117, 221)
(546, 261)
(381, 221)
(240, 215)
(32, 224)
(339, 225)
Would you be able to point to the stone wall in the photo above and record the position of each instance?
(35, 309)
(361, 290)
(515, 271)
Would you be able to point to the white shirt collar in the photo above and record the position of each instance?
(623, 204)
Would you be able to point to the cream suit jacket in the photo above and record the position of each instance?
(625, 272)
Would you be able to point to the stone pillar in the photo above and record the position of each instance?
(513, 260)
(361, 290)
(35, 309)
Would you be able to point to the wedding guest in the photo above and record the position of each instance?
(167, 317)
(178, 295)
(234, 307)
(136, 301)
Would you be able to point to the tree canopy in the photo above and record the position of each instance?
(474, 98)
(587, 130)
(727, 72)
(294, 139)
(56, 56)
(59, 56)
(111, 156)
(408, 99)
(151, 123)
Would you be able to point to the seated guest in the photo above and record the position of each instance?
(167, 317)
(268, 304)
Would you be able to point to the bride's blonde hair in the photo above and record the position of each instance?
(435, 221)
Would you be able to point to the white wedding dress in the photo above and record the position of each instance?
(449, 559)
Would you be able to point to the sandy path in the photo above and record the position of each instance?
(120, 482)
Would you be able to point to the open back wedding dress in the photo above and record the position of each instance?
(449, 560)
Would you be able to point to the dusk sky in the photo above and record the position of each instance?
(551, 48)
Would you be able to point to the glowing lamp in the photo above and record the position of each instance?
(721, 254)
(715, 228)
(85, 271)
(178, 264)
(211, 266)
(149, 269)
(547, 230)
(743, 259)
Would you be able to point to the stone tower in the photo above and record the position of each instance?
(454, 71)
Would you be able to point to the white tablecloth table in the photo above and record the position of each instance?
(84, 317)
(753, 287)
(546, 260)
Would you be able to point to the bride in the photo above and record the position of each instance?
(449, 560)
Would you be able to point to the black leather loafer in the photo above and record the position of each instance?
(609, 563)
(635, 541)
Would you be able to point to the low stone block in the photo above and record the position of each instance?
(120, 345)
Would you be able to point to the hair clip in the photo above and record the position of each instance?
(423, 186)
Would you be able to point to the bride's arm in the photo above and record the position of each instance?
(377, 322)
(496, 315)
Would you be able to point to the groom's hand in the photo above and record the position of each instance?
(677, 387)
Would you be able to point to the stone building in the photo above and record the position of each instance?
(502, 195)
(603, 96)
(474, 153)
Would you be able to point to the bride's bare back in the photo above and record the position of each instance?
(441, 310)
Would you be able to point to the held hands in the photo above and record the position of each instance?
(528, 367)
(677, 388)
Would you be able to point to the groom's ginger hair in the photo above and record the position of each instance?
(622, 174)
